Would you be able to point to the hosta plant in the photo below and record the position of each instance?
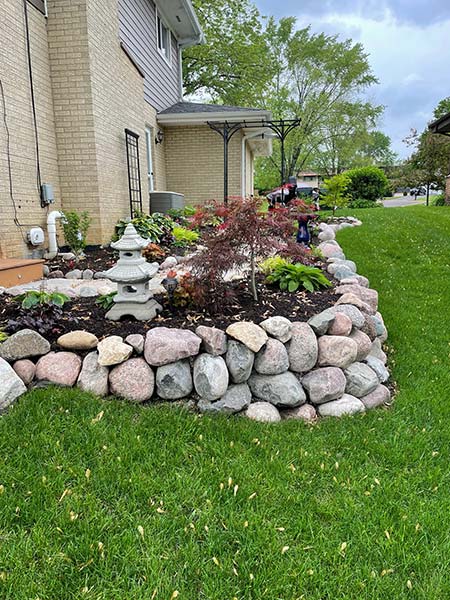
(291, 277)
(184, 237)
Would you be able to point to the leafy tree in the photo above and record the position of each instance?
(442, 108)
(337, 187)
(317, 78)
(367, 183)
(233, 66)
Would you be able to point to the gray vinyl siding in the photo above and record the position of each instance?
(137, 20)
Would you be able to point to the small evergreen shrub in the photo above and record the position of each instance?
(367, 183)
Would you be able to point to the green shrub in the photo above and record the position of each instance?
(184, 237)
(75, 227)
(106, 300)
(3, 336)
(35, 298)
(156, 228)
(270, 264)
(292, 277)
(337, 191)
(360, 203)
(439, 200)
(367, 183)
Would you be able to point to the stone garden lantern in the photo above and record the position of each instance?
(132, 274)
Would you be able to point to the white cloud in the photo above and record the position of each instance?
(409, 59)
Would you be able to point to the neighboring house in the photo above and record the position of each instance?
(105, 75)
(442, 126)
(308, 179)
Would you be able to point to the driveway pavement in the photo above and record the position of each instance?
(402, 201)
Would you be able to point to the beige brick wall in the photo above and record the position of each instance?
(194, 163)
(15, 79)
(74, 118)
(98, 94)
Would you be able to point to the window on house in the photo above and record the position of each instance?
(163, 33)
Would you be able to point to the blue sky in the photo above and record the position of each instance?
(409, 46)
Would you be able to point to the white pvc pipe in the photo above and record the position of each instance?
(51, 230)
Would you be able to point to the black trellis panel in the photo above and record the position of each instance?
(134, 172)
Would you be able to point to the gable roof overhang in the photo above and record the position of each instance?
(441, 125)
(181, 19)
(193, 113)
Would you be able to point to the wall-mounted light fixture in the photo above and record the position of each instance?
(159, 137)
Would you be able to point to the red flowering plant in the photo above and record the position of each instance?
(248, 235)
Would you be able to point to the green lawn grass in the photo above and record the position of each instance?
(149, 501)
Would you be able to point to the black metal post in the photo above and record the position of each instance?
(225, 164)
(428, 193)
(282, 155)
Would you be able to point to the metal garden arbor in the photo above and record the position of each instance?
(281, 127)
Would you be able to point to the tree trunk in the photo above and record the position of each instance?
(253, 277)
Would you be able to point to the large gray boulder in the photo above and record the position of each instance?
(93, 377)
(361, 380)
(210, 376)
(264, 412)
(334, 266)
(378, 366)
(214, 340)
(272, 359)
(236, 398)
(239, 360)
(278, 327)
(380, 327)
(352, 312)
(250, 334)
(60, 368)
(349, 298)
(378, 397)
(133, 380)
(325, 384)
(280, 390)
(320, 323)
(23, 344)
(302, 348)
(347, 405)
(174, 381)
(336, 351)
(369, 327)
(11, 386)
(342, 272)
(164, 345)
(377, 351)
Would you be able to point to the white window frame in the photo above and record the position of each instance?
(160, 24)
(150, 155)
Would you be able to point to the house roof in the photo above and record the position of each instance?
(195, 113)
(441, 125)
(196, 107)
(181, 18)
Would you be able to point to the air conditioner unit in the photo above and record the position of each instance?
(162, 202)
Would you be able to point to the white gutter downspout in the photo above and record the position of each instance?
(51, 230)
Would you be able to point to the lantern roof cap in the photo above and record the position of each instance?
(130, 240)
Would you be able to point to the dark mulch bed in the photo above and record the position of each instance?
(84, 313)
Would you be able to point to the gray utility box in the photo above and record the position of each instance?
(161, 202)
